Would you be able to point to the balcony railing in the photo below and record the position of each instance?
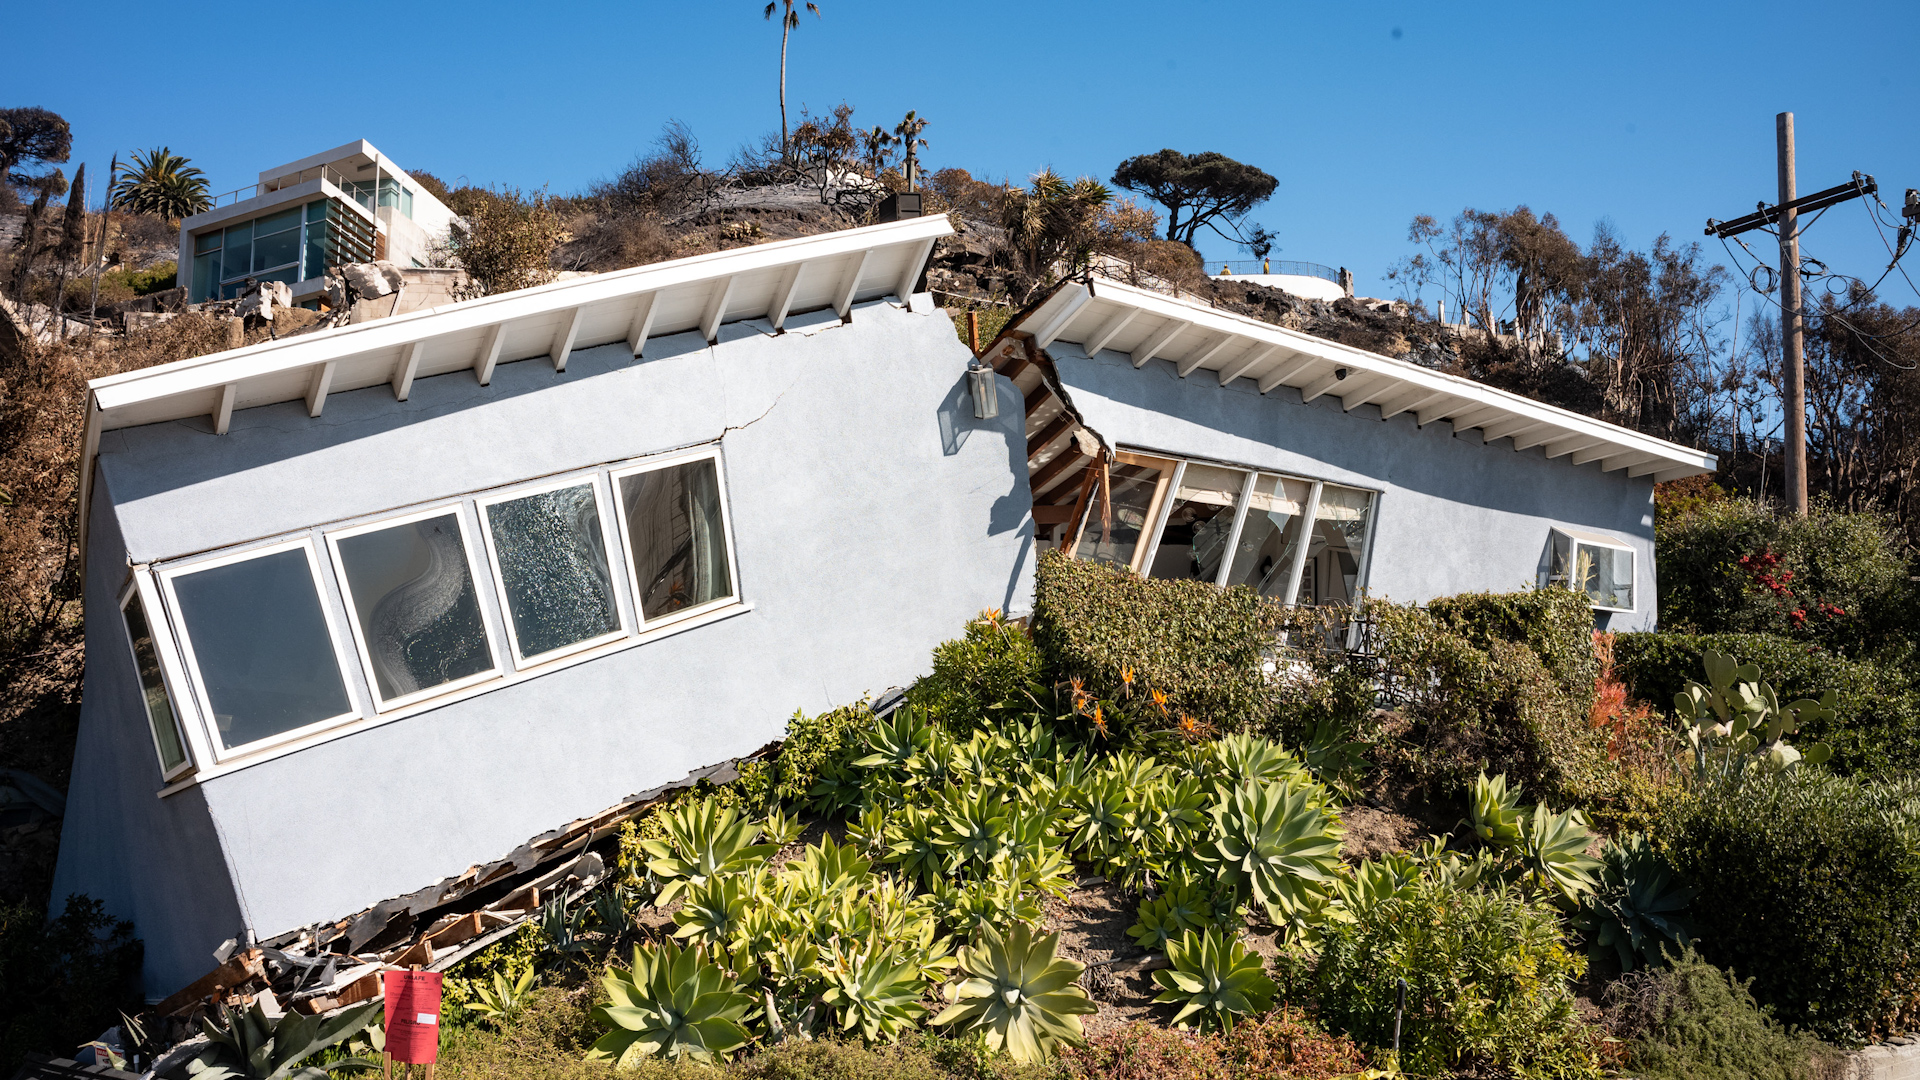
(318, 172)
(1274, 266)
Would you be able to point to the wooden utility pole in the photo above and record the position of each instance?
(1793, 361)
(1793, 364)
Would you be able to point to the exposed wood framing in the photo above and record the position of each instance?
(1060, 425)
(1037, 396)
(1157, 342)
(1350, 402)
(1448, 406)
(1572, 444)
(1253, 359)
(1069, 455)
(1285, 372)
(1200, 357)
(910, 275)
(1109, 330)
(783, 296)
(1054, 329)
(1321, 385)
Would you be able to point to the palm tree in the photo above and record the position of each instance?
(878, 141)
(908, 131)
(162, 183)
(789, 19)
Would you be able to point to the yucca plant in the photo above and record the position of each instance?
(1553, 852)
(1638, 907)
(503, 1000)
(247, 1044)
(1018, 994)
(1493, 809)
(1214, 976)
(873, 988)
(672, 1003)
(1271, 841)
(703, 838)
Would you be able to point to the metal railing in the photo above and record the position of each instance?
(318, 172)
(1274, 266)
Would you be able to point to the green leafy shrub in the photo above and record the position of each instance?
(991, 673)
(1809, 884)
(1845, 574)
(1556, 625)
(1126, 637)
(1877, 724)
(1283, 1045)
(62, 981)
(1488, 982)
(1692, 1021)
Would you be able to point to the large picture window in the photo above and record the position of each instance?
(1295, 540)
(257, 641)
(168, 741)
(550, 557)
(416, 615)
(674, 519)
(1593, 563)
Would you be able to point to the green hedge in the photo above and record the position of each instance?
(1206, 648)
(1692, 1021)
(1810, 886)
(991, 672)
(1878, 724)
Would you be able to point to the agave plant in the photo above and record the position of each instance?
(1182, 906)
(250, 1045)
(1638, 907)
(672, 1004)
(1239, 760)
(1215, 976)
(703, 838)
(1374, 881)
(1102, 824)
(503, 1000)
(873, 988)
(895, 742)
(1273, 842)
(716, 908)
(1493, 809)
(1553, 851)
(1018, 994)
(914, 843)
(828, 869)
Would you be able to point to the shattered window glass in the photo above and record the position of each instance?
(153, 688)
(260, 642)
(1336, 546)
(413, 600)
(1113, 528)
(1193, 543)
(676, 537)
(1264, 556)
(553, 568)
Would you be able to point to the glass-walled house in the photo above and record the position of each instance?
(349, 204)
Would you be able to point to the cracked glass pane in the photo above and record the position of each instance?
(553, 565)
(676, 537)
(413, 596)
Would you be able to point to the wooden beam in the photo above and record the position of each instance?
(1080, 504)
(223, 412)
(783, 295)
(1060, 322)
(1350, 402)
(1519, 425)
(1546, 434)
(1037, 396)
(1104, 336)
(1052, 431)
(1571, 444)
(642, 323)
(1253, 359)
(1591, 454)
(1646, 468)
(1324, 383)
(1473, 418)
(1069, 455)
(717, 308)
(1418, 399)
(1625, 459)
(1055, 514)
(1200, 356)
(403, 371)
(563, 339)
(1448, 406)
(843, 293)
(1157, 342)
(317, 389)
(1286, 371)
(910, 274)
(1022, 359)
(489, 353)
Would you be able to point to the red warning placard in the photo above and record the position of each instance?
(413, 1016)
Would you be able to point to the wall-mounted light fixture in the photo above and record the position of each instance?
(984, 387)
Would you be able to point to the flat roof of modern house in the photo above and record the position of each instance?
(1100, 314)
(769, 281)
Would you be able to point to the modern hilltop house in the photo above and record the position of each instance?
(372, 605)
(346, 205)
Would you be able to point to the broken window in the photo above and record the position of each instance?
(257, 638)
(676, 537)
(167, 742)
(1112, 531)
(1263, 557)
(551, 557)
(1199, 526)
(1338, 547)
(416, 615)
(1594, 563)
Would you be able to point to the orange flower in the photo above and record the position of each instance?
(1126, 675)
(1160, 700)
(1191, 729)
(1099, 722)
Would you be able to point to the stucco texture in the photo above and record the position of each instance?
(872, 516)
(1454, 514)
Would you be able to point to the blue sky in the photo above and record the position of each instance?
(1655, 116)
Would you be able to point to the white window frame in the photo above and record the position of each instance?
(136, 592)
(615, 552)
(1577, 537)
(667, 461)
(382, 704)
(217, 747)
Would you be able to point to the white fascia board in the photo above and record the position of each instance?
(356, 148)
(1113, 296)
(202, 374)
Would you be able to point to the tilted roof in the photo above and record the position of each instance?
(1101, 314)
